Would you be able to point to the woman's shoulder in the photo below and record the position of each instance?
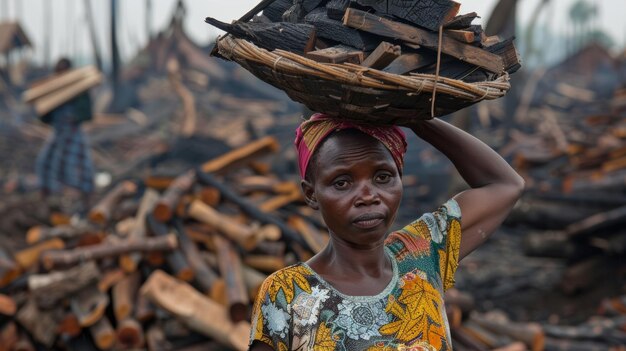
(430, 228)
(287, 282)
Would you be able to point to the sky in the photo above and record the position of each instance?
(70, 34)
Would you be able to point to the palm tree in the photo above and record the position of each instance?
(581, 14)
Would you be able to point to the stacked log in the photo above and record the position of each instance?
(179, 270)
(401, 38)
(184, 267)
(575, 201)
(493, 330)
(52, 92)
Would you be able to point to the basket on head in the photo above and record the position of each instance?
(355, 92)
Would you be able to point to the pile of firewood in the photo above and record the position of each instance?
(399, 37)
(575, 170)
(493, 330)
(163, 263)
(174, 263)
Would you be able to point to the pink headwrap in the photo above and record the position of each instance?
(312, 132)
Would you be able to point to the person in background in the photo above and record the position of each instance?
(369, 289)
(64, 163)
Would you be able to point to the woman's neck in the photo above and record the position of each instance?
(341, 259)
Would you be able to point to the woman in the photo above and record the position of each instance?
(65, 161)
(367, 289)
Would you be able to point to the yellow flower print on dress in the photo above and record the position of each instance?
(286, 280)
(416, 312)
(324, 338)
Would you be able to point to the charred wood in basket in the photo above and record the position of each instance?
(424, 13)
(293, 37)
(262, 6)
(337, 54)
(509, 54)
(274, 11)
(328, 28)
(336, 8)
(295, 13)
(461, 21)
(455, 69)
(464, 36)
(409, 62)
(390, 29)
(382, 56)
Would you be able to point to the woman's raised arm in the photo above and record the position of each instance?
(495, 186)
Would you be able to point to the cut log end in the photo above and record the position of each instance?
(218, 292)
(103, 334)
(128, 263)
(33, 235)
(185, 274)
(8, 307)
(97, 217)
(162, 212)
(130, 334)
(238, 312)
(269, 232)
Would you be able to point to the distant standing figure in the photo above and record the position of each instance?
(65, 159)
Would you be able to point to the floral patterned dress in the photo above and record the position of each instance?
(297, 310)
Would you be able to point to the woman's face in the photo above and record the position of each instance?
(356, 186)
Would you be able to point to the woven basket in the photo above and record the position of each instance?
(355, 92)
